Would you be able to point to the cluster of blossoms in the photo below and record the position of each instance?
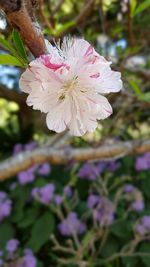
(134, 196)
(46, 194)
(71, 225)
(91, 171)
(124, 5)
(69, 84)
(28, 176)
(10, 254)
(102, 209)
(142, 228)
(143, 162)
(5, 205)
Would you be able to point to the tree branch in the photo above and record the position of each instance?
(12, 95)
(22, 161)
(18, 15)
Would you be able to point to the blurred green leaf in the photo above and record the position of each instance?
(41, 231)
(110, 247)
(19, 45)
(6, 233)
(135, 87)
(133, 7)
(5, 44)
(145, 97)
(29, 218)
(144, 5)
(62, 28)
(122, 230)
(10, 60)
(145, 247)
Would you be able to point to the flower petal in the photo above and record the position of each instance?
(59, 116)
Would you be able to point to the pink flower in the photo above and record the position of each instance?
(68, 84)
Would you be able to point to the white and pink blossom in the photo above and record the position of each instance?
(69, 85)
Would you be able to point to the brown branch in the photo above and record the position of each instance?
(22, 161)
(18, 16)
(43, 16)
(12, 95)
(85, 12)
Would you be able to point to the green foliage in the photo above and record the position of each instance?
(34, 224)
(10, 60)
(6, 232)
(41, 231)
(19, 45)
(145, 247)
(141, 7)
(18, 55)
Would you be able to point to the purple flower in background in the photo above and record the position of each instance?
(103, 209)
(1, 262)
(143, 227)
(30, 146)
(13, 186)
(88, 171)
(26, 177)
(93, 200)
(143, 162)
(44, 194)
(113, 165)
(68, 191)
(1, 253)
(58, 199)
(100, 166)
(138, 205)
(5, 205)
(71, 225)
(12, 246)
(44, 169)
(129, 188)
(17, 149)
(134, 196)
(29, 260)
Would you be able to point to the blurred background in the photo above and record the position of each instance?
(95, 213)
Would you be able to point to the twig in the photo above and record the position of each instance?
(24, 160)
(18, 16)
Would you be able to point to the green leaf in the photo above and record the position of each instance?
(145, 97)
(39, 264)
(122, 230)
(130, 261)
(87, 238)
(145, 248)
(133, 7)
(62, 28)
(29, 217)
(110, 247)
(41, 231)
(6, 233)
(144, 5)
(8, 46)
(10, 60)
(5, 44)
(145, 184)
(19, 45)
(135, 87)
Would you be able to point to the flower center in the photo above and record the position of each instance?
(67, 88)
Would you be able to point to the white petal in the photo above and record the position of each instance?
(26, 78)
(58, 117)
(105, 80)
(110, 82)
(103, 109)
